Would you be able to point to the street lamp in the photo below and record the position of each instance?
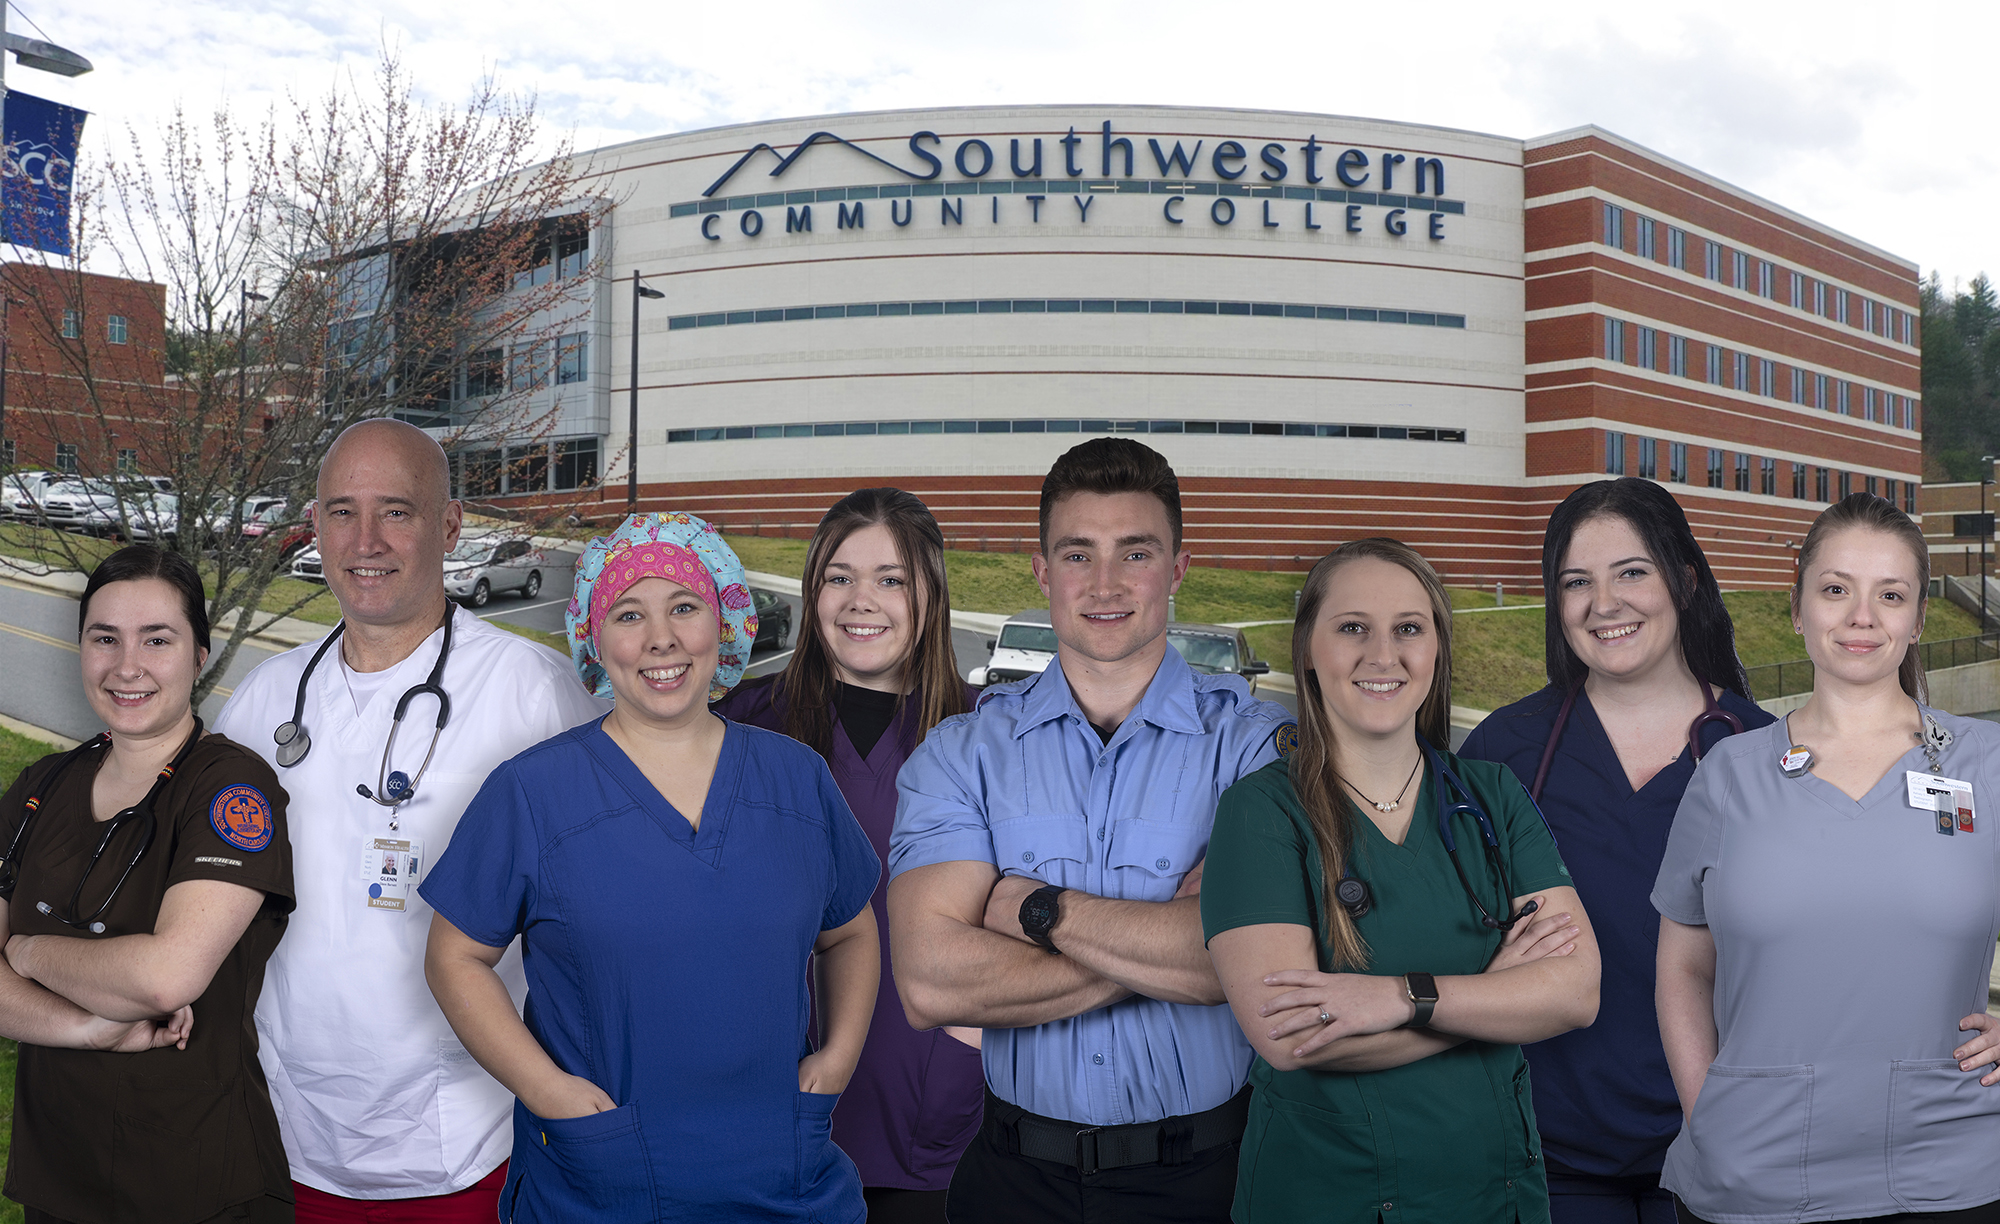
(639, 290)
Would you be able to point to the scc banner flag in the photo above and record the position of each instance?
(35, 172)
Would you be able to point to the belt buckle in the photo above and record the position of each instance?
(1087, 1139)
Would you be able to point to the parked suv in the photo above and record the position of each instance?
(1027, 644)
(78, 505)
(482, 565)
(21, 493)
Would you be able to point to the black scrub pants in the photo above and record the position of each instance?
(266, 1210)
(993, 1185)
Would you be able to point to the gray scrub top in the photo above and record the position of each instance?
(1850, 938)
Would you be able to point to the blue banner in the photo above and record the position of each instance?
(36, 171)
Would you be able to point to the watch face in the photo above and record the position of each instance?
(1040, 913)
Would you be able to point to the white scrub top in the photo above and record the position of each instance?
(375, 1097)
(1850, 938)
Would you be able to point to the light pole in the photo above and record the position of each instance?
(247, 296)
(639, 290)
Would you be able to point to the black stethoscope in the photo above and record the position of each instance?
(1357, 898)
(1713, 713)
(10, 864)
(392, 787)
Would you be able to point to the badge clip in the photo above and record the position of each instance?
(1795, 762)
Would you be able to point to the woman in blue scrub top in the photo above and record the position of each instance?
(873, 673)
(1639, 650)
(673, 877)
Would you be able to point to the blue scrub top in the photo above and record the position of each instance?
(668, 966)
(1604, 1099)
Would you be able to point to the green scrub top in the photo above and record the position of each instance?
(1448, 1137)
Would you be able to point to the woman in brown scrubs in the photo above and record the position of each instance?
(147, 876)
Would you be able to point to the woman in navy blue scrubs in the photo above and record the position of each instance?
(873, 673)
(1643, 678)
(673, 877)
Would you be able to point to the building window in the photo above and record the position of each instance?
(1819, 392)
(1819, 298)
(1677, 462)
(576, 463)
(573, 357)
(1867, 314)
(530, 366)
(1868, 486)
(1798, 385)
(1767, 378)
(1614, 454)
(1614, 340)
(1645, 235)
(1799, 481)
(1614, 226)
(1715, 364)
(1714, 255)
(1715, 467)
(1819, 484)
(528, 468)
(478, 473)
(1743, 463)
(1740, 371)
(1910, 497)
(1739, 269)
(1840, 305)
(1798, 292)
(1845, 407)
(128, 461)
(66, 457)
(1846, 483)
(115, 329)
(1767, 281)
(1770, 485)
(1907, 327)
(572, 254)
(1677, 356)
(1649, 348)
(72, 327)
(1677, 248)
(1649, 458)
(484, 373)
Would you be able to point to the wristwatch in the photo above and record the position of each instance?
(1040, 911)
(1423, 991)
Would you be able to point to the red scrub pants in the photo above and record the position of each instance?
(478, 1203)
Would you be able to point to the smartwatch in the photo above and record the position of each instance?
(1423, 991)
(1040, 911)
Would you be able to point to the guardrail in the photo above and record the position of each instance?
(1796, 675)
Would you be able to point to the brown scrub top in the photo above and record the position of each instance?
(167, 1136)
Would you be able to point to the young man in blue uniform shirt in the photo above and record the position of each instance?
(1046, 866)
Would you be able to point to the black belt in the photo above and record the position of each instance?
(1089, 1149)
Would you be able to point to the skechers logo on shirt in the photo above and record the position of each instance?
(220, 862)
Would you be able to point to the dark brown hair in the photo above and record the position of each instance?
(145, 561)
(1315, 778)
(1112, 465)
(1865, 510)
(932, 668)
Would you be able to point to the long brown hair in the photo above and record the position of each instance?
(1315, 779)
(1873, 513)
(932, 668)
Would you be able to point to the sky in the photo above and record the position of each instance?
(1875, 118)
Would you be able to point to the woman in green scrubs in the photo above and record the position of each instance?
(1386, 988)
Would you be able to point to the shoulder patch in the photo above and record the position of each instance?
(1287, 740)
(242, 817)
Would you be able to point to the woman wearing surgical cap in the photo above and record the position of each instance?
(672, 876)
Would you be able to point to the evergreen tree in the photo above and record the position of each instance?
(1961, 378)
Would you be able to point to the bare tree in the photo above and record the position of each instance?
(356, 255)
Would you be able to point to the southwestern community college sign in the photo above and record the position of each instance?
(1279, 185)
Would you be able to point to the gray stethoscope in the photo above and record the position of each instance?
(392, 787)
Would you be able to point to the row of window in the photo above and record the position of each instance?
(117, 330)
(871, 310)
(1637, 345)
(538, 467)
(1748, 473)
(1740, 270)
(1262, 429)
(523, 367)
(1128, 186)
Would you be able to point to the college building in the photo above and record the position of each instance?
(1332, 327)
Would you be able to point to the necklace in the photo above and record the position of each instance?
(1395, 803)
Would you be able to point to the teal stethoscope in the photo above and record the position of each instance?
(393, 788)
(1357, 898)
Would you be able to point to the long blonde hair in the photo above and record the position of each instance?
(1315, 779)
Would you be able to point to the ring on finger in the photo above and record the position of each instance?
(1324, 1018)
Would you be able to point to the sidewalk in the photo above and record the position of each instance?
(282, 634)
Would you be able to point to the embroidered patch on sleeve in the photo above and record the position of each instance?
(1287, 740)
(242, 817)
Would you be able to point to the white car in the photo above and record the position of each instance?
(78, 505)
(483, 565)
(308, 566)
(21, 493)
(1027, 645)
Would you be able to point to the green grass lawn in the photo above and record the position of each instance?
(17, 752)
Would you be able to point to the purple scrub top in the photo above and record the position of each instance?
(916, 1097)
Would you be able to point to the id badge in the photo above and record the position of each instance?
(1932, 792)
(390, 868)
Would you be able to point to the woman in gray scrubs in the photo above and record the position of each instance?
(1830, 899)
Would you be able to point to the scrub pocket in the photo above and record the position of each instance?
(1160, 854)
(1053, 849)
(815, 1158)
(171, 1150)
(595, 1167)
(1749, 1129)
(1302, 1162)
(1944, 1128)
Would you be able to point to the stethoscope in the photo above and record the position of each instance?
(392, 787)
(1712, 714)
(1357, 898)
(10, 864)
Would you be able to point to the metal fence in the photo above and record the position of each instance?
(1796, 676)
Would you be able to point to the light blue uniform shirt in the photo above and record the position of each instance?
(1024, 782)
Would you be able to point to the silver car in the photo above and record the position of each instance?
(482, 566)
(78, 505)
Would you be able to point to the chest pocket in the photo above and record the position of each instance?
(1053, 849)
(1151, 857)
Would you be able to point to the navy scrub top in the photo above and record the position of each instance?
(1603, 1096)
(668, 966)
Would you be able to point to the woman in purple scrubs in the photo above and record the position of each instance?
(873, 672)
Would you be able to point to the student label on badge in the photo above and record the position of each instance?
(390, 868)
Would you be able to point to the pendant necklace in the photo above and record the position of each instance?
(1395, 803)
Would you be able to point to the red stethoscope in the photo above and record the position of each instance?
(1714, 713)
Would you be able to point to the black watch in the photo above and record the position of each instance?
(1423, 991)
(1040, 911)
